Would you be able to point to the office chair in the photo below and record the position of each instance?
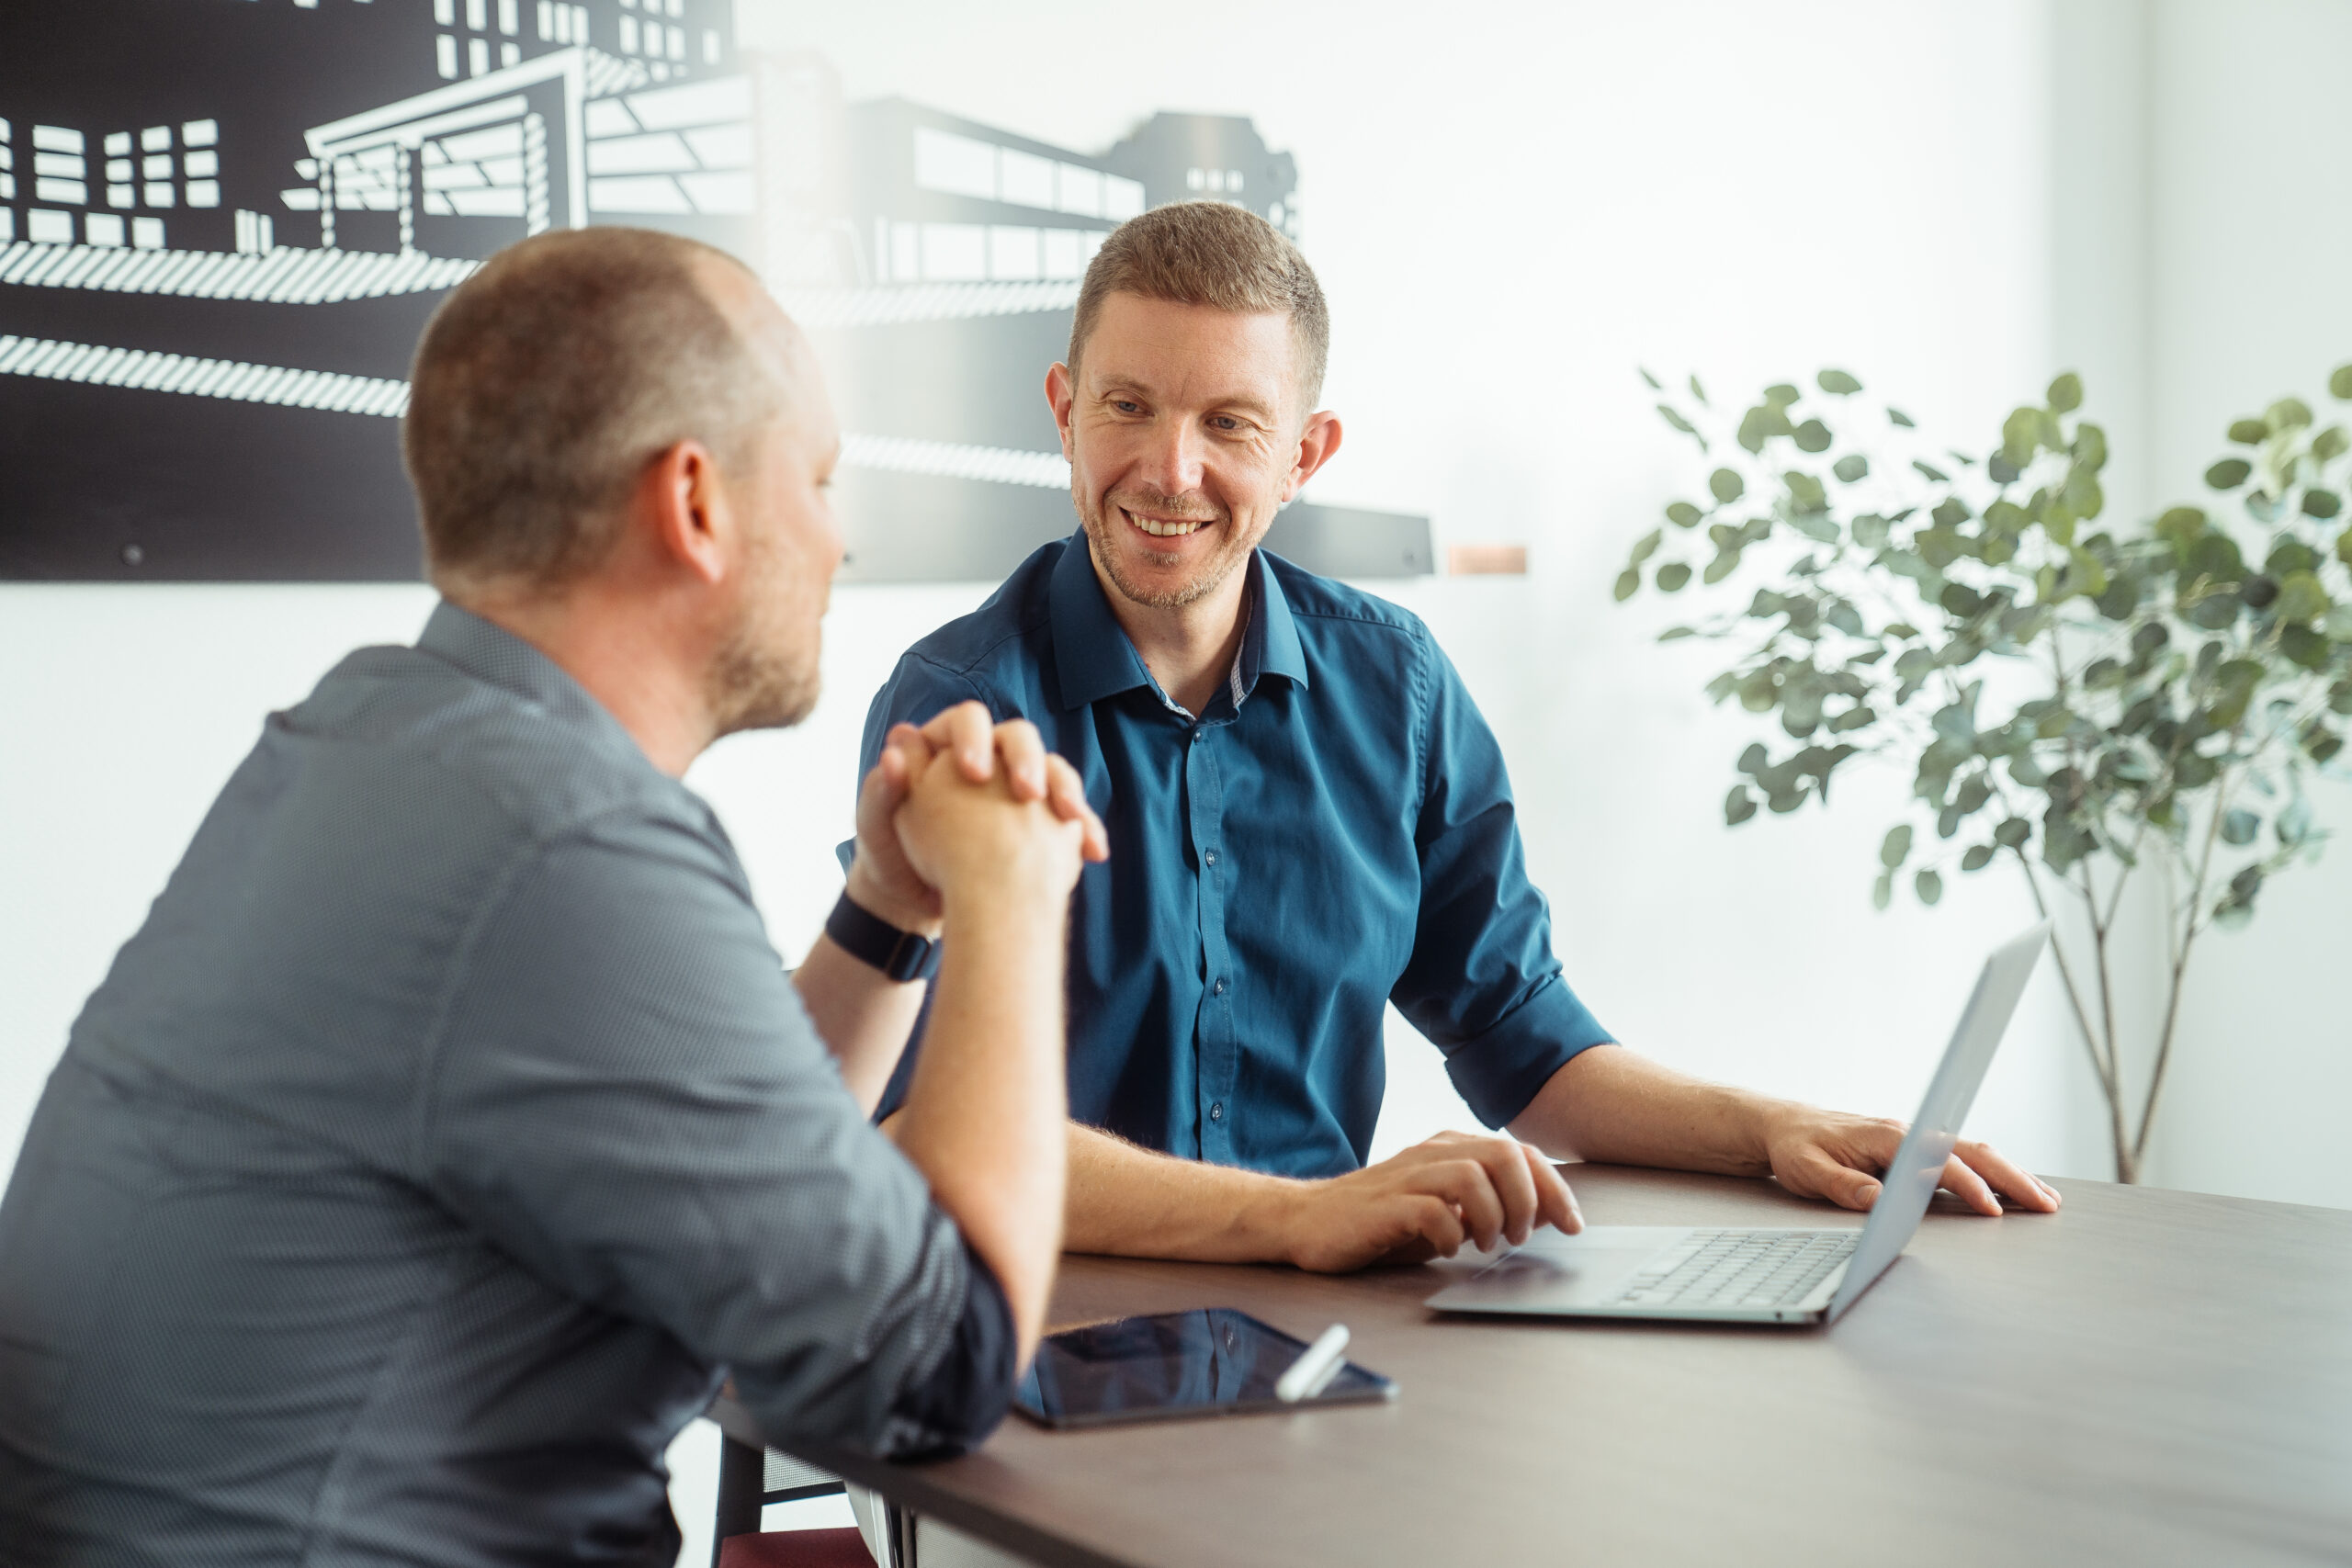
(749, 1480)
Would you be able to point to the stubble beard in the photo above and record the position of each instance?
(764, 678)
(1106, 529)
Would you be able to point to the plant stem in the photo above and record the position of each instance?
(2126, 1164)
(2180, 958)
(2111, 1068)
(2066, 977)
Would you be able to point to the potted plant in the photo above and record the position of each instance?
(2072, 699)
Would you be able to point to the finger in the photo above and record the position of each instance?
(1556, 1203)
(1968, 1187)
(968, 732)
(1024, 751)
(1433, 1219)
(1818, 1176)
(1468, 1186)
(1505, 1161)
(905, 754)
(1066, 792)
(2011, 1182)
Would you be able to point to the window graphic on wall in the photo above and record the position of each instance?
(223, 223)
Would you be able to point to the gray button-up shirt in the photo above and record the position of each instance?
(424, 1162)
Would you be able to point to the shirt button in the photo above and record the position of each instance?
(1210, 857)
(1220, 987)
(1216, 1111)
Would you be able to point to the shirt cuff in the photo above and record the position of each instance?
(1501, 1071)
(966, 1394)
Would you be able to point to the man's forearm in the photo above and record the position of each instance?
(1617, 1106)
(1133, 1202)
(984, 1115)
(863, 1016)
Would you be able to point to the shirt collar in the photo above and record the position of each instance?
(491, 654)
(1093, 658)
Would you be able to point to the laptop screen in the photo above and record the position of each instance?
(1910, 1182)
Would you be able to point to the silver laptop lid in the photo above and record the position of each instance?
(1910, 1182)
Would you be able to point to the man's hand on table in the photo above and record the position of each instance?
(1827, 1154)
(882, 880)
(1424, 1202)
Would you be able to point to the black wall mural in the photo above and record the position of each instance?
(223, 222)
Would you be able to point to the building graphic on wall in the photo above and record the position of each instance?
(223, 222)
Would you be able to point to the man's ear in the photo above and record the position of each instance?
(1062, 396)
(681, 507)
(1319, 442)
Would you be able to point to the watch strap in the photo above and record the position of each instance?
(871, 940)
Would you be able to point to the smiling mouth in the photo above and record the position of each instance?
(1166, 527)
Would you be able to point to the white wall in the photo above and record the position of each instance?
(2249, 301)
(1511, 209)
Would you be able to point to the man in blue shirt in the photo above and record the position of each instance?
(1308, 819)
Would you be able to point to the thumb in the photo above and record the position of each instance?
(1841, 1184)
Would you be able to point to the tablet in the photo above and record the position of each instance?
(1215, 1362)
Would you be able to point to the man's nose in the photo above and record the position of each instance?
(1172, 462)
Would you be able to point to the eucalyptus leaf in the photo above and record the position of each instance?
(1672, 576)
(1978, 857)
(1629, 582)
(1837, 383)
(1853, 465)
(1928, 886)
(1726, 486)
(1812, 436)
(2339, 382)
(1667, 412)
(1896, 847)
(1897, 416)
(2287, 413)
(2066, 393)
(2229, 473)
(2239, 827)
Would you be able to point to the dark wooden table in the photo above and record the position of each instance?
(2146, 1377)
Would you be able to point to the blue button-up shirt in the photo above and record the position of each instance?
(1334, 831)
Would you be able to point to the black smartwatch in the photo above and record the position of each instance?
(869, 939)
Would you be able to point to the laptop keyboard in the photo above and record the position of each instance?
(1740, 1269)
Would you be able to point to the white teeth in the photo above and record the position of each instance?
(1160, 530)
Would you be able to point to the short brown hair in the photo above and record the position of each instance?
(1214, 254)
(546, 382)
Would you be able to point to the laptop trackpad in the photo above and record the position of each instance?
(1554, 1271)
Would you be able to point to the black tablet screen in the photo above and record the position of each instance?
(1215, 1362)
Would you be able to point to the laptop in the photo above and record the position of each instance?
(1753, 1275)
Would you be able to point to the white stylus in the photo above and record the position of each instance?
(1314, 1367)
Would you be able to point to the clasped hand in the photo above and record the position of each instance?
(963, 800)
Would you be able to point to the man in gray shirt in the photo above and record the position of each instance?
(450, 1129)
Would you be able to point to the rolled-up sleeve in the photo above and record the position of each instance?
(1483, 983)
(627, 1096)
